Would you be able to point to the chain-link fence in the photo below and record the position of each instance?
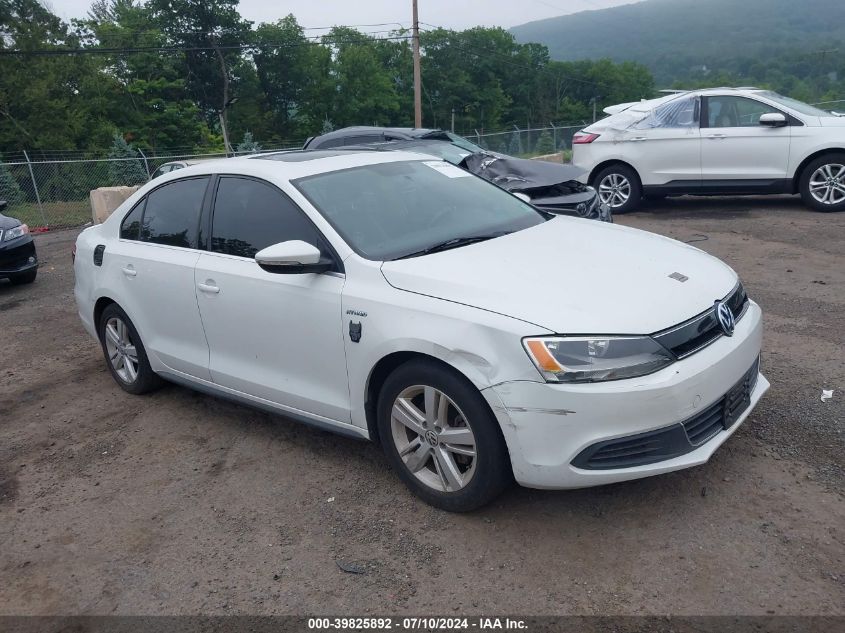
(52, 190)
(54, 194)
(534, 141)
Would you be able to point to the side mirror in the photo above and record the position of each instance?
(292, 258)
(773, 119)
(524, 197)
(3, 205)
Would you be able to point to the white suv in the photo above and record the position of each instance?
(725, 141)
(389, 296)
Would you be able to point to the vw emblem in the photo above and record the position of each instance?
(581, 209)
(431, 438)
(726, 318)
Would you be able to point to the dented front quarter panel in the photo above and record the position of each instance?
(484, 346)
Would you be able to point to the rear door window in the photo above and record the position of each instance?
(130, 229)
(678, 113)
(250, 215)
(172, 213)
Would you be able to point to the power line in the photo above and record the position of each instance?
(52, 52)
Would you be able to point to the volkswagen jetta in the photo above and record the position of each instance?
(396, 298)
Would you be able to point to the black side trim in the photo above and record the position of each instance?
(98, 254)
(721, 187)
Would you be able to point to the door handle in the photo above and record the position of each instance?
(209, 287)
(638, 138)
(129, 271)
(716, 136)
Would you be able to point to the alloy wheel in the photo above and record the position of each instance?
(614, 190)
(433, 438)
(122, 352)
(827, 184)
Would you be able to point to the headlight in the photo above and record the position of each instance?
(596, 358)
(18, 231)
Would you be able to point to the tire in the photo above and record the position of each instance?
(627, 183)
(473, 472)
(133, 376)
(822, 184)
(24, 278)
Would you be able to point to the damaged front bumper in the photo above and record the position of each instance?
(583, 204)
(550, 428)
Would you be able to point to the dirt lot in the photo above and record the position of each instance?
(180, 503)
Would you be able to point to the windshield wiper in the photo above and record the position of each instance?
(455, 242)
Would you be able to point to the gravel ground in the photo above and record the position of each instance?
(180, 503)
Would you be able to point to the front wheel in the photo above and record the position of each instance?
(441, 437)
(619, 188)
(822, 184)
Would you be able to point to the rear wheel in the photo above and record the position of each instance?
(441, 437)
(125, 354)
(24, 278)
(619, 188)
(822, 184)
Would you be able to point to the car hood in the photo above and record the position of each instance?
(521, 174)
(7, 223)
(573, 276)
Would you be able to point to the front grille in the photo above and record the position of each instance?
(676, 440)
(701, 330)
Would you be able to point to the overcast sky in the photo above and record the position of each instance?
(455, 14)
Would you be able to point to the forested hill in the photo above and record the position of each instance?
(678, 39)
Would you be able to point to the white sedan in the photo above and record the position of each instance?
(396, 298)
(723, 141)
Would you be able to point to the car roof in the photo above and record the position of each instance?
(645, 105)
(290, 165)
(404, 132)
(354, 129)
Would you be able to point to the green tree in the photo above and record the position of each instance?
(515, 146)
(365, 92)
(47, 102)
(125, 168)
(149, 100)
(545, 143)
(248, 145)
(10, 191)
(211, 32)
(284, 65)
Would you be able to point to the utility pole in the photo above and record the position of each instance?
(417, 76)
(453, 120)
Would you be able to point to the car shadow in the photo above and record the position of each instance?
(719, 207)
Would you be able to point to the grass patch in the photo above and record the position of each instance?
(58, 215)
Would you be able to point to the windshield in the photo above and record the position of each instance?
(441, 149)
(794, 104)
(391, 210)
(461, 142)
